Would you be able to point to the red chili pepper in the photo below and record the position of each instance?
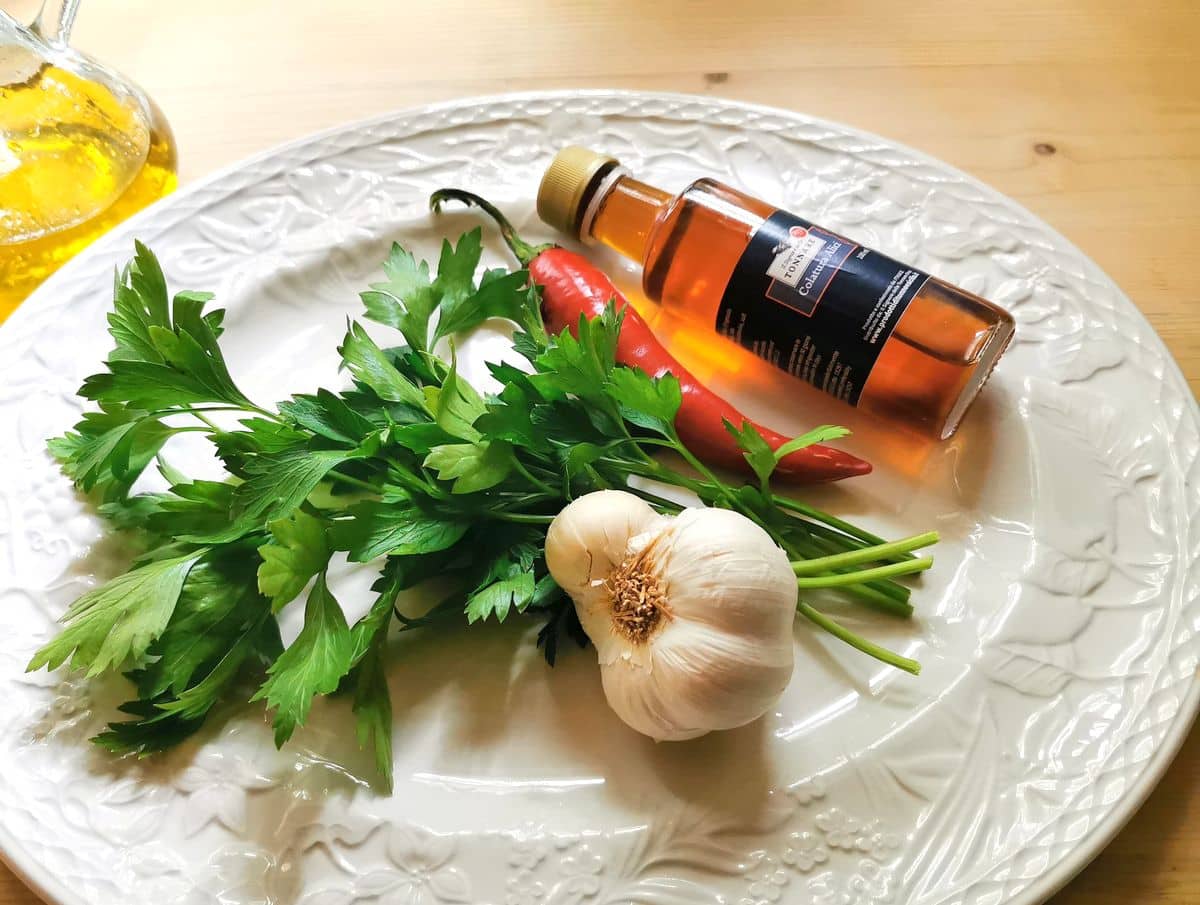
(572, 285)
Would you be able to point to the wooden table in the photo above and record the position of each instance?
(1086, 111)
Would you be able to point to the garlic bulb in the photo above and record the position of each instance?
(691, 614)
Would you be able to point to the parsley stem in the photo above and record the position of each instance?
(865, 554)
(422, 483)
(200, 415)
(521, 518)
(192, 409)
(710, 479)
(724, 491)
(270, 416)
(654, 499)
(533, 479)
(336, 475)
(856, 641)
(858, 577)
(831, 520)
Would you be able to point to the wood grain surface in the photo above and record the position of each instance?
(1086, 111)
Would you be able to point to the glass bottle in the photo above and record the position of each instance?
(81, 149)
(867, 329)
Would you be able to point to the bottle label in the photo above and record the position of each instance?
(815, 304)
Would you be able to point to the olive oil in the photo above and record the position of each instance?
(77, 156)
(867, 329)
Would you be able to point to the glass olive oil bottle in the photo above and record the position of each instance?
(81, 149)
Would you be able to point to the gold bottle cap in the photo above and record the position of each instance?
(564, 187)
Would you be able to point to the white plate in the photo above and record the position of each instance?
(1058, 630)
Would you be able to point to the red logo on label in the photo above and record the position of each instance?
(798, 232)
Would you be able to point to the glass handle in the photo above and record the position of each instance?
(54, 20)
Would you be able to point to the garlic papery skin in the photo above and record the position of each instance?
(691, 614)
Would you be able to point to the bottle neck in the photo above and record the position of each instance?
(623, 214)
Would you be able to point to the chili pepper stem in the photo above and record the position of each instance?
(522, 250)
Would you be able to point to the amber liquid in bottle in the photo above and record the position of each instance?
(930, 368)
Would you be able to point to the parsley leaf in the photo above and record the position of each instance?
(373, 707)
(421, 437)
(296, 553)
(404, 571)
(376, 528)
(259, 436)
(455, 405)
(578, 459)
(509, 415)
(755, 449)
(167, 719)
(581, 366)
(649, 402)
(375, 621)
(822, 434)
(167, 356)
(116, 622)
(195, 701)
(369, 364)
(763, 460)
(561, 620)
(134, 514)
(277, 483)
(509, 296)
(471, 466)
(508, 585)
(406, 300)
(313, 665)
(218, 604)
(456, 269)
(513, 591)
(197, 512)
(109, 449)
(328, 416)
(152, 732)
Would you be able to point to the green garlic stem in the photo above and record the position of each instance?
(866, 554)
(858, 642)
(841, 541)
(887, 587)
(870, 596)
(845, 578)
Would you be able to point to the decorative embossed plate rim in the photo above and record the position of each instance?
(243, 175)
